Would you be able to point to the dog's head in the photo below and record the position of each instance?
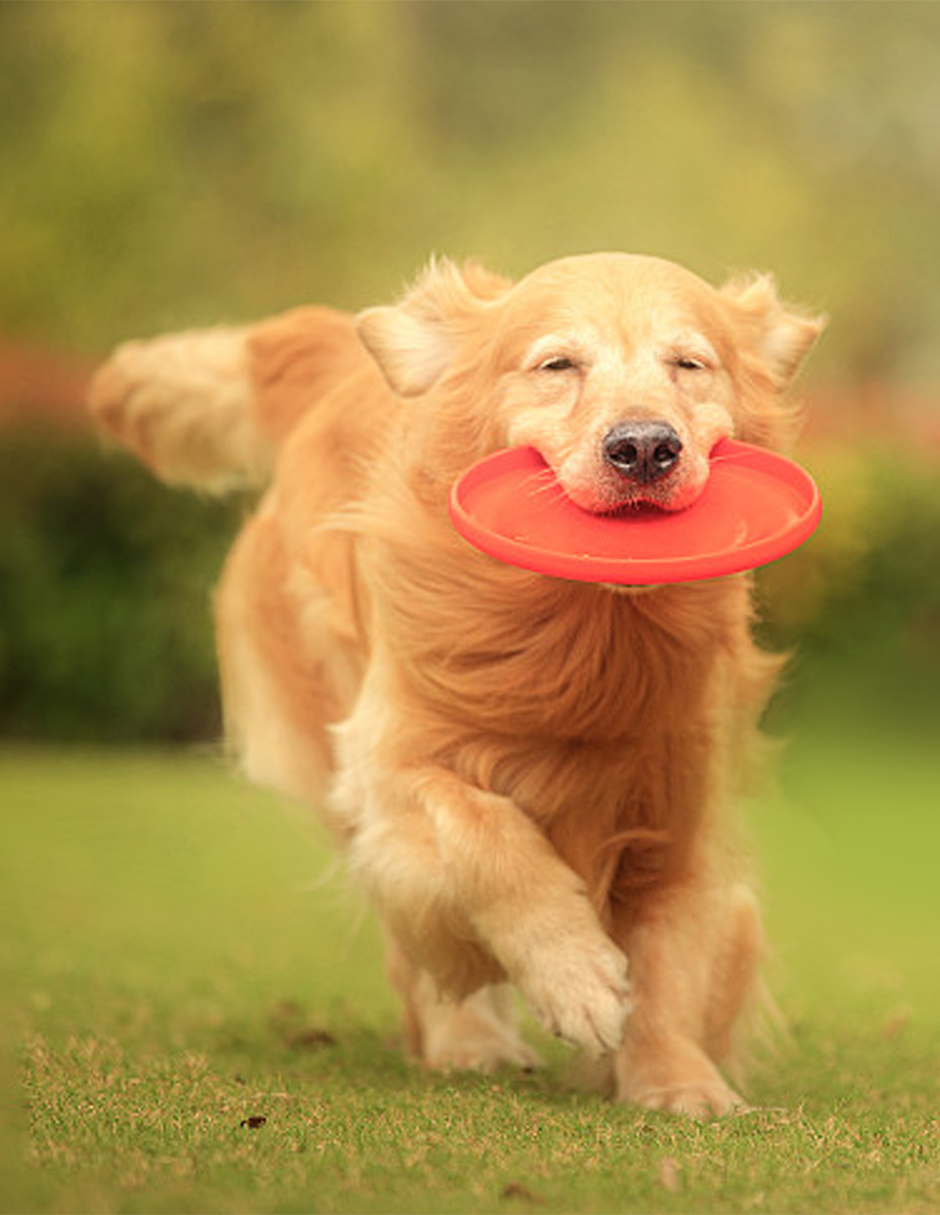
(622, 371)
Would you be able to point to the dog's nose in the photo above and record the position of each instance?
(642, 451)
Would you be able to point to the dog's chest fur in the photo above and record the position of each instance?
(602, 714)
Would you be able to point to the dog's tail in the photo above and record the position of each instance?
(209, 408)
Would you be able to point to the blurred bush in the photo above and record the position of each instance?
(859, 605)
(106, 576)
(105, 628)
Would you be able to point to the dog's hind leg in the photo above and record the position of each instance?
(474, 1034)
(693, 949)
(734, 973)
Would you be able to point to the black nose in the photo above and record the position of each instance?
(642, 451)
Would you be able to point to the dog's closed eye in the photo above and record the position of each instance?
(558, 362)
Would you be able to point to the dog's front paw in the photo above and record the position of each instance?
(705, 1099)
(579, 990)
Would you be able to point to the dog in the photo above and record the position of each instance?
(532, 778)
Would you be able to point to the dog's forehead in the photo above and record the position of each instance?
(615, 296)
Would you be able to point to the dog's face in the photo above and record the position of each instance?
(622, 371)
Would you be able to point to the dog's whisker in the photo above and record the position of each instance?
(539, 481)
(545, 488)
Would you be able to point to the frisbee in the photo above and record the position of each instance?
(756, 506)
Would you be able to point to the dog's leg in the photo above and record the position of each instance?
(475, 1034)
(693, 956)
(457, 872)
(734, 975)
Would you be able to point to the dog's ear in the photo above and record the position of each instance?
(414, 341)
(780, 336)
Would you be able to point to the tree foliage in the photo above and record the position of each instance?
(174, 163)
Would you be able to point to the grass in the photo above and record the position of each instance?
(198, 1019)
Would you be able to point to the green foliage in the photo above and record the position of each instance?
(860, 605)
(105, 627)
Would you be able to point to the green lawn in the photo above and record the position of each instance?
(199, 1021)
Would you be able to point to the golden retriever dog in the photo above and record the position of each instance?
(533, 778)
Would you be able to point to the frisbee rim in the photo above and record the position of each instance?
(793, 531)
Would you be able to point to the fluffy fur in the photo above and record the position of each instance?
(533, 778)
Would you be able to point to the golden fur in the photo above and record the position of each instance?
(533, 777)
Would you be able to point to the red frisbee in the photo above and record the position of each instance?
(756, 506)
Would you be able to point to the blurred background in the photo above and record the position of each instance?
(173, 165)
(165, 166)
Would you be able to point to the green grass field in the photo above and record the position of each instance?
(198, 1021)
